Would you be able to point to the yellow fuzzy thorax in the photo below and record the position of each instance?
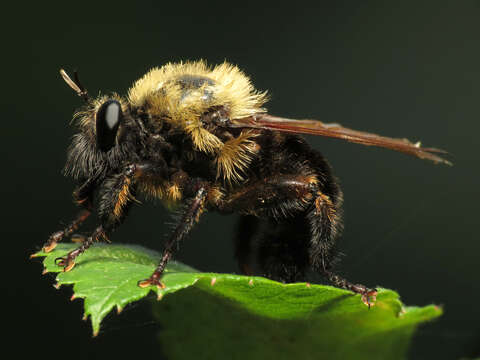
(159, 93)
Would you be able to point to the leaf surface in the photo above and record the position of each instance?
(208, 315)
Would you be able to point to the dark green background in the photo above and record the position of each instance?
(399, 69)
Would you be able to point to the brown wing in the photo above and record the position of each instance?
(314, 127)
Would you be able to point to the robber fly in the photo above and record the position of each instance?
(199, 138)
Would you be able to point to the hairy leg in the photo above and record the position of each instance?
(325, 226)
(303, 226)
(272, 207)
(68, 261)
(57, 236)
(274, 197)
(190, 216)
(115, 197)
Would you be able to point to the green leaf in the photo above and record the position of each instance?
(233, 316)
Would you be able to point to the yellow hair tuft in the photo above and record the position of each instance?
(162, 93)
(235, 156)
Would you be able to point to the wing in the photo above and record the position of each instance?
(314, 127)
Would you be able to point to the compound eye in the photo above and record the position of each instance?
(109, 116)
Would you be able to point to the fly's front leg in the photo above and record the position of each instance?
(57, 236)
(68, 261)
(116, 194)
(83, 197)
(115, 197)
(191, 215)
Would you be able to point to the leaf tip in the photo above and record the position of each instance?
(73, 297)
(159, 296)
(57, 286)
(119, 309)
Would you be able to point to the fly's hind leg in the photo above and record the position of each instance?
(325, 225)
(275, 203)
(301, 227)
